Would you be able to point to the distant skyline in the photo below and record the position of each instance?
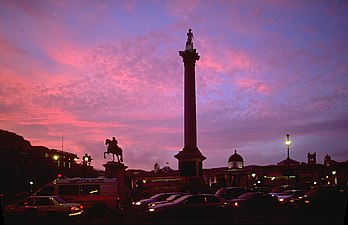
(91, 70)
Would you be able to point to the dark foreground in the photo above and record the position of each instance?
(263, 216)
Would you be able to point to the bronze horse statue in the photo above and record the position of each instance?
(113, 149)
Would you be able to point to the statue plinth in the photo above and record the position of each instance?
(114, 169)
(190, 162)
(117, 170)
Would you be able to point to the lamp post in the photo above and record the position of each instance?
(85, 159)
(335, 177)
(288, 143)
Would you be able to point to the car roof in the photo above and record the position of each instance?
(229, 188)
(43, 196)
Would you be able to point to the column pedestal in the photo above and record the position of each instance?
(117, 170)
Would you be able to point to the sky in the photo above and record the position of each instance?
(91, 70)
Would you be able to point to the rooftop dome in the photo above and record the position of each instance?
(235, 161)
(235, 157)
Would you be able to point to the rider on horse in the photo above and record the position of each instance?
(114, 149)
(113, 143)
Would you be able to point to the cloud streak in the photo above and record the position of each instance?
(97, 70)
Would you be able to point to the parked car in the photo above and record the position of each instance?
(277, 190)
(288, 197)
(230, 192)
(190, 205)
(263, 189)
(254, 200)
(144, 203)
(169, 199)
(324, 197)
(43, 206)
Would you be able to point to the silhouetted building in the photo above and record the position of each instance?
(312, 158)
(288, 161)
(156, 167)
(26, 168)
(328, 161)
(302, 175)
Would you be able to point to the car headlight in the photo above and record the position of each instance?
(151, 210)
(136, 203)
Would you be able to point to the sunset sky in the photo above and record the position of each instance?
(91, 70)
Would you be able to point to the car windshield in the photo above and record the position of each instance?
(173, 197)
(277, 190)
(181, 198)
(221, 191)
(156, 196)
(288, 192)
(59, 199)
(246, 196)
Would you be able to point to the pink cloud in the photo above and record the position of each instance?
(253, 85)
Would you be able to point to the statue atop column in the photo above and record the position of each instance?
(114, 149)
(189, 43)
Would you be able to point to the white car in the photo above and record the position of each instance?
(44, 205)
(190, 205)
(169, 199)
(289, 196)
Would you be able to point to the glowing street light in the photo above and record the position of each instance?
(288, 143)
(86, 159)
(56, 157)
(335, 177)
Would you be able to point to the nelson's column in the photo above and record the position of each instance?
(190, 158)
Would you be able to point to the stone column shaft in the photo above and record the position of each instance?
(190, 127)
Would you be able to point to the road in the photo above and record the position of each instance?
(272, 216)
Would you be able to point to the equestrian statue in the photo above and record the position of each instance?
(113, 149)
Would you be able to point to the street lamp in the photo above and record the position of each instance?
(288, 143)
(335, 177)
(86, 160)
(56, 157)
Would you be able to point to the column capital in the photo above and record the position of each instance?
(189, 56)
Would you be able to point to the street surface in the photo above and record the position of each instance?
(265, 216)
